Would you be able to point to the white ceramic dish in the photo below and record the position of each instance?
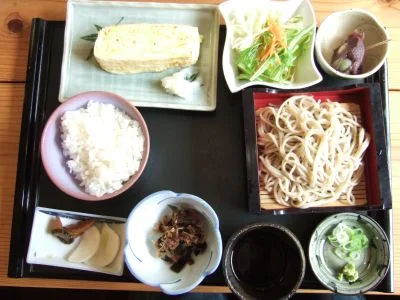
(372, 265)
(306, 72)
(335, 29)
(80, 75)
(45, 249)
(140, 252)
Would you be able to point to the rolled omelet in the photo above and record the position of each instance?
(136, 48)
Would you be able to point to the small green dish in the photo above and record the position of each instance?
(372, 265)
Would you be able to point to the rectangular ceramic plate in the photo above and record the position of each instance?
(45, 249)
(364, 102)
(144, 89)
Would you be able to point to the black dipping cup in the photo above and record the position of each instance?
(263, 261)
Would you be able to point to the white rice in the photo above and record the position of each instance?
(103, 145)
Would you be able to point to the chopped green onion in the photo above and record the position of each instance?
(348, 242)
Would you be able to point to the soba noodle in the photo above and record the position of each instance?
(310, 153)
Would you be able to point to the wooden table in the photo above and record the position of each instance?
(15, 20)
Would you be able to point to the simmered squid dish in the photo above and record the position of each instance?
(310, 152)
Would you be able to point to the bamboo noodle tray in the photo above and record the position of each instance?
(267, 200)
(361, 101)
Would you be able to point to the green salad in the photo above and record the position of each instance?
(268, 50)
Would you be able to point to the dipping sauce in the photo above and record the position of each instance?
(266, 262)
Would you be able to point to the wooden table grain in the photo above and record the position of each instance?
(15, 20)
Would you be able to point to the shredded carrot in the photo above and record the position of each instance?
(269, 51)
(278, 40)
(277, 31)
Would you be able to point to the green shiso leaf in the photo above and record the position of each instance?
(92, 37)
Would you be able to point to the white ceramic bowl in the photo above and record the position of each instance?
(306, 74)
(335, 29)
(140, 252)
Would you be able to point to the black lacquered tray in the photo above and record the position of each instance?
(201, 153)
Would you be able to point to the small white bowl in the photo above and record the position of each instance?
(306, 74)
(335, 29)
(140, 252)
